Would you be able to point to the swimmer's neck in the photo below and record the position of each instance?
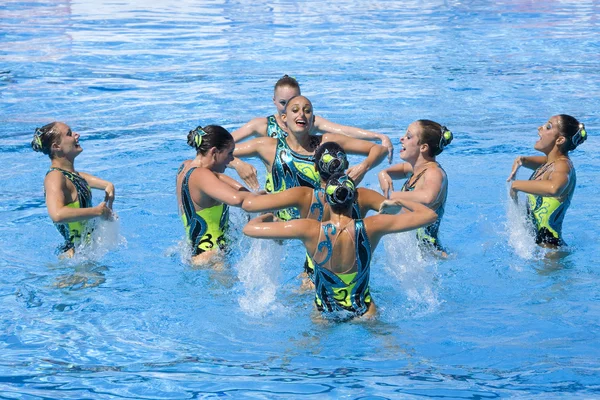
(63, 163)
(555, 154)
(302, 141)
(422, 163)
(203, 162)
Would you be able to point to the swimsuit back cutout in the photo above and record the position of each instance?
(345, 294)
(291, 169)
(273, 128)
(317, 211)
(72, 232)
(206, 229)
(547, 213)
(428, 234)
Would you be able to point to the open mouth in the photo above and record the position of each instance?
(301, 122)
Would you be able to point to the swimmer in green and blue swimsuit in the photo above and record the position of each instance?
(427, 181)
(285, 89)
(68, 192)
(547, 213)
(330, 158)
(342, 247)
(550, 188)
(205, 194)
(429, 234)
(73, 232)
(206, 229)
(346, 294)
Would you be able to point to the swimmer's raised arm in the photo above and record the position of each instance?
(386, 176)
(531, 162)
(264, 148)
(321, 125)
(215, 188)
(553, 186)
(97, 183)
(263, 227)
(255, 127)
(427, 192)
(231, 182)
(375, 154)
(55, 186)
(368, 200)
(260, 147)
(299, 197)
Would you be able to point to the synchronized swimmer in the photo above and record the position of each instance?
(274, 126)
(427, 182)
(312, 189)
(552, 184)
(67, 191)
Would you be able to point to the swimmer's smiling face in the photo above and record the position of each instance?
(282, 95)
(68, 143)
(298, 115)
(411, 148)
(548, 133)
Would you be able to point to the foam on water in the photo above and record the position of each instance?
(105, 237)
(259, 272)
(520, 231)
(415, 270)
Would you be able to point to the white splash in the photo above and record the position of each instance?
(105, 237)
(520, 231)
(415, 269)
(259, 272)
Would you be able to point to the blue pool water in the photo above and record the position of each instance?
(130, 319)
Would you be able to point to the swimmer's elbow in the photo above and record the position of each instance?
(554, 190)
(430, 217)
(251, 230)
(57, 217)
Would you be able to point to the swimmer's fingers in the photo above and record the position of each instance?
(390, 207)
(109, 195)
(104, 211)
(248, 174)
(385, 141)
(513, 194)
(356, 172)
(518, 162)
(386, 184)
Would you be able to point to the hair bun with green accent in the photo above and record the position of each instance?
(446, 138)
(580, 136)
(340, 189)
(195, 137)
(36, 143)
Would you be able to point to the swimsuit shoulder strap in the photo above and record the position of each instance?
(408, 185)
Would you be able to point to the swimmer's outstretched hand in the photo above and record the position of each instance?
(247, 173)
(513, 194)
(390, 207)
(357, 172)
(516, 165)
(387, 143)
(386, 184)
(104, 211)
(109, 195)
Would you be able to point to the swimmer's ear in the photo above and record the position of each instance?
(212, 152)
(284, 117)
(424, 148)
(560, 140)
(55, 146)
